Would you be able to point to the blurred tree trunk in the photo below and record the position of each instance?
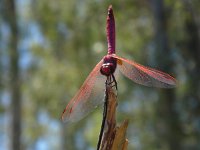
(14, 83)
(190, 51)
(168, 127)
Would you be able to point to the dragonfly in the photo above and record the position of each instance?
(90, 95)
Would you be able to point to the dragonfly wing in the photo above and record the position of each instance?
(89, 96)
(144, 75)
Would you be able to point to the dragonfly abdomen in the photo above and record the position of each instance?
(111, 31)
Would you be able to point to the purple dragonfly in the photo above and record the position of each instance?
(90, 95)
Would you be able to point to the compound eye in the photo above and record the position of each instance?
(106, 69)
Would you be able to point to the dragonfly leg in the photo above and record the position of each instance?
(115, 82)
(111, 81)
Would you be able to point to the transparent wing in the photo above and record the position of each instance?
(144, 75)
(89, 96)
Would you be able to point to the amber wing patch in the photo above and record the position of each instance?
(119, 62)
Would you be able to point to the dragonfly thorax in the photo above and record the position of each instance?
(109, 65)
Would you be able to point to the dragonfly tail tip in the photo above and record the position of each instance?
(110, 7)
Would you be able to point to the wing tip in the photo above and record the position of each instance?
(66, 115)
(172, 81)
(63, 118)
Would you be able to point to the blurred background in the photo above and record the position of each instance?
(48, 47)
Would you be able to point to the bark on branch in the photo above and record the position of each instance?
(114, 137)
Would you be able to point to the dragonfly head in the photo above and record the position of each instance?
(109, 65)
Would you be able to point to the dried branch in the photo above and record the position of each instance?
(113, 137)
